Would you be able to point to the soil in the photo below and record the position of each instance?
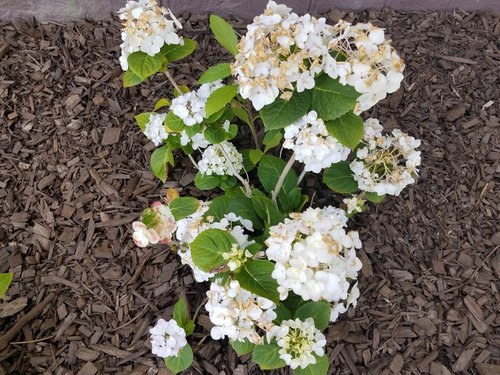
(74, 174)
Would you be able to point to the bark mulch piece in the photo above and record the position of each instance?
(74, 174)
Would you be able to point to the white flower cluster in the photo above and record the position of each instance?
(155, 129)
(312, 145)
(271, 57)
(237, 313)
(161, 227)
(315, 257)
(385, 164)
(167, 338)
(340, 308)
(236, 257)
(146, 29)
(221, 159)
(190, 107)
(299, 341)
(354, 204)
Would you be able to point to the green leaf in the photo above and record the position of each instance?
(131, 79)
(269, 171)
(224, 33)
(207, 248)
(255, 276)
(241, 114)
(254, 248)
(215, 73)
(250, 158)
(267, 356)
(5, 280)
(293, 302)
(174, 123)
(143, 118)
(206, 182)
(266, 209)
(374, 197)
(348, 129)
(183, 207)
(319, 311)
(330, 99)
(242, 206)
(282, 313)
(192, 130)
(228, 182)
(180, 316)
(143, 65)
(218, 207)
(272, 139)
(291, 201)
(219, 98)
(215, 133)
(181, 362)
(281, 113)
(159, 159)
(319, 368)
(163, 102)
(216, 116)
(338, 177)
(174, 52)
(242, 347)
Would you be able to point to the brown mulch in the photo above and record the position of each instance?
(74, 174)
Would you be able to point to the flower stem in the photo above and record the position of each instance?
(252, 126)
(248, 189)
(283, 175)
(198, 309)
(193, 161)
(172, 81)
(302, 174)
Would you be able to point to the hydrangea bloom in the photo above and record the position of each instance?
(155, 129)
(315, 257)
(354, 204)
(146, 29)
(158, 225)
(237, 313)
(312, 145)
(299, 341)
(385, 164)
(222, 159)
(190, 107)
(167, 338)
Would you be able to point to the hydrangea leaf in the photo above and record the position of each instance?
(219, 98)
(255, 276)
(207, 248)
(159, 159)
(330, 99)
(215, 73)
(319, 368)
(269, 171)
(183, 207)
(242, 347)
(131, 79)
(182, 361)
(348, 129)
(214, 117)
(281, 113)
(243, 206)
(241, 114)
(224, 34)
(228, 182)
(5, 280)
(163, 102)
(267, 356)
(251, 158)
(206, 182)
(293, 302)
(174, 52)
(181, 317)
(319, 311)
(215, 133)
(272, 139)
(282, 313)
(218, 207)
(374, 197)
(174, 123)
(143, 118)
(267, 211)
(338, 177)
(143, 65)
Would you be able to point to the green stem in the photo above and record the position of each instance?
(172, 81)
(283, 175)
(252, 126)
(248, 189)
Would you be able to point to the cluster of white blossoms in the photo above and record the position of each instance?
(238, 313)
(282, 52)
(190, 107)
(354, 205)
(155, 129)
(385, 164)
(298, 341)
(312, 145)
(315, 257)
(161, 226)
(146, 29)
(236, 258)
(221, 159)
(167, 338)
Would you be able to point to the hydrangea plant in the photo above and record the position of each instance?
(280, 270)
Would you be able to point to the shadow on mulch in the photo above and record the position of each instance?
(74, 174)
